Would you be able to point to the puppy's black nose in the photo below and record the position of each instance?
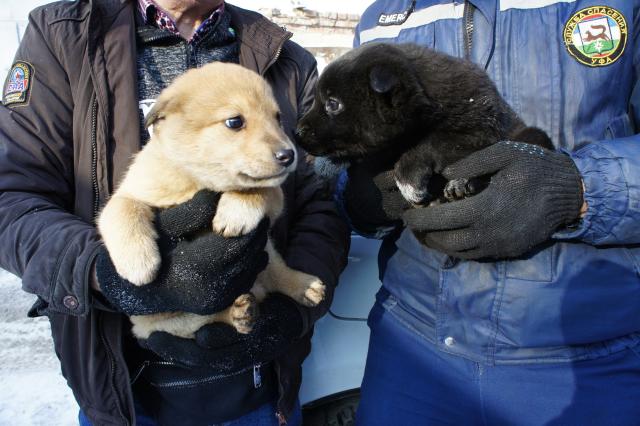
(285, 157)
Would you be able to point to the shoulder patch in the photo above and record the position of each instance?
(17, 86)
(596, 36)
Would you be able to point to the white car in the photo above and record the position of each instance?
(332, 373)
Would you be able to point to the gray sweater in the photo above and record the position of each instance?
(162, 56)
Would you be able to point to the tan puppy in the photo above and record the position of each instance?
(217, 128)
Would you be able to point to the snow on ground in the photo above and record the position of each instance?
(32, 390)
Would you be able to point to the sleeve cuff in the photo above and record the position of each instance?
(305, 315)
(605, 192)
(338, 196)
(73, 298)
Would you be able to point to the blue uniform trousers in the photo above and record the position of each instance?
(408, 381)
(263, 416)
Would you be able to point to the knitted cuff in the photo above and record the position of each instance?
(566, 191)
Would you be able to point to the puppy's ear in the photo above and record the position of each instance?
(156, 113)
(382, 79)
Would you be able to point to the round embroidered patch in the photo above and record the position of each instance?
(596, 36)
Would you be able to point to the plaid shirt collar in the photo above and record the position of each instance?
(152, 14)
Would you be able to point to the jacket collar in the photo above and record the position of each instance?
(261, 40)
(487, 11)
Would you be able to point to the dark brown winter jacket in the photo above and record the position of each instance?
(63, 149)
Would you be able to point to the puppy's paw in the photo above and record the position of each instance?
(458, 189)
(233, 225)
(138, 263)
(412, 178)
(315, 293)
(244, 313)
(455, 189)
(310, 291)
(236, 216)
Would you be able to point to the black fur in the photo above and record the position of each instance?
(412, 109)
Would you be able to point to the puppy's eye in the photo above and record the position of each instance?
(333, 106)
(279, 119)
(235, 123)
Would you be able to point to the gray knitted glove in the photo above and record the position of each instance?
(532, 193)
(220, 347)
(201, 272)
(372, 199)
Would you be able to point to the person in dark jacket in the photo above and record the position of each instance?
(518, 305)
(71, 119)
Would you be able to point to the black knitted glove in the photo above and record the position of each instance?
(219, 347)
(201, 272)
(372, 199)
(532, 193)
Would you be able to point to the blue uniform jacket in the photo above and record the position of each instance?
(570, 68)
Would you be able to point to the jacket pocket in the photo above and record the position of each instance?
(537, 267)
(619, 127)
(187, 393)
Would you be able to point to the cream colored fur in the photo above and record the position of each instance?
(191, 149)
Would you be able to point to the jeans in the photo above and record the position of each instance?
(408, 381)
(263, 416)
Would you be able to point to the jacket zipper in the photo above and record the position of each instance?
(161, 37)
(112, 365)
(451, 261)
(277, 55)
(468, 28)
(257, 375)
(282, 420)
(94, 156)
(190, 53)
(275, 58)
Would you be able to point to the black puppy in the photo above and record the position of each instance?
(410, 109)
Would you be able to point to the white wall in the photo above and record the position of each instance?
(13, 21)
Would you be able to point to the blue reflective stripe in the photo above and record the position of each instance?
(418, 18)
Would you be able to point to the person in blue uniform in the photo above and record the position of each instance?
(520, 305)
